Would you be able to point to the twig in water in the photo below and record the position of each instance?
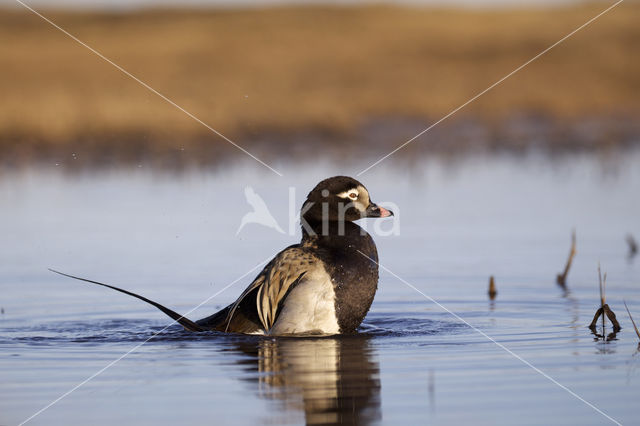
(602, 284)
(604, 308)
(561, 279)
(492, 288)
(633, 246)
(631, 318)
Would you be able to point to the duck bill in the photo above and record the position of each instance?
(375, 210)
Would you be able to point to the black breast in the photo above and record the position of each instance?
(350, 258)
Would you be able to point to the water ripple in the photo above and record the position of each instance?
(122, 330)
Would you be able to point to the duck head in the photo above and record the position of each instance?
(340, 198)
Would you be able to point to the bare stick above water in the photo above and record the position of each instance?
(602, 283)
(561, 279)
(633, 245)
(604, 309)
(493, 292)
(631, 318)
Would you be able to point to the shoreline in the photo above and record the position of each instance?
(275, 79)
(459, 137)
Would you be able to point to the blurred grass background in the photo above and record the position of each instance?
(286, 70)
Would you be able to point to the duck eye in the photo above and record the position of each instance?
(353, 195)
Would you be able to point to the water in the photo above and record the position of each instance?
(172, 237)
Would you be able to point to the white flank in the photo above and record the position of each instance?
(309, 308)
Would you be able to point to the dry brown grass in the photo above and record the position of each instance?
(286, 69)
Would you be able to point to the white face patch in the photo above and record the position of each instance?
(358, 196)
(351, 194)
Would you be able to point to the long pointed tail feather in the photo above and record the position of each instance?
(185, 322)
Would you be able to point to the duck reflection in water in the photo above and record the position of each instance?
(331, 380)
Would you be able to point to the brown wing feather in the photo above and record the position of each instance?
(275, 281)
(257, 282)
